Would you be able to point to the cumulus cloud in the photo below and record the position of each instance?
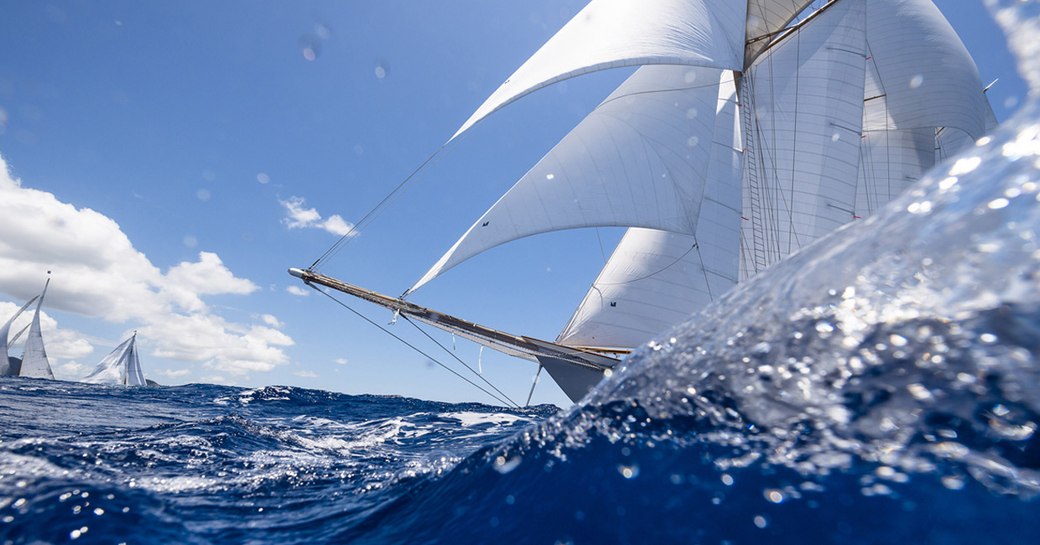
(306, 374)
(99, 273)
(297, 291)
(271, 320)
(299, 217)
(175, 373)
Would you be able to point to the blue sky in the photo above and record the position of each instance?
(170, 159)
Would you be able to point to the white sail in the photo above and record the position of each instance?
(639, 160)
(5, 361)
(615, 33)
(120, 367)
(34, 361)
(654, 279)
(805, 120)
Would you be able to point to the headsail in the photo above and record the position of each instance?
(121, 366)
(640, 159)
(34, 361)
(616, 33)
(655, 280)
(5, 360)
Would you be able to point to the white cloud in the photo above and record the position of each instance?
(341, 361)
(297, 291)
(271, 320)
(99, 273)
(298, 217)
(306, 374)
(175, 373)
(70, 371)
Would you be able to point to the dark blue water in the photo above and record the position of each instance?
(882, 386)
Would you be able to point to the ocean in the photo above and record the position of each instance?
(882, 386)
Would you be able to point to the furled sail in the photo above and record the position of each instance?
(120, 367)
(34, 361)
(615, 33)
(655, 279)
(639, 160)
(5, 360)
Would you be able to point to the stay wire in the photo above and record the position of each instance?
(410, 345)
(371, 214)
(464, 364)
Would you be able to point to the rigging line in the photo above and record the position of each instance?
(464, 364)
(409, 345)
(372, 213)
(533, 384)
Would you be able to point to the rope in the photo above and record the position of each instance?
(533, 384)
(371, 214)
(413, 347)
(464, 364)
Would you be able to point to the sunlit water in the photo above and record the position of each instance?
(881, 387)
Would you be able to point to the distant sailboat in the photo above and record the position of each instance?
(9, 365)
(34, 360)
(750, 130)
(120, 367)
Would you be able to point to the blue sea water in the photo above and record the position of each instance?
(881, 387)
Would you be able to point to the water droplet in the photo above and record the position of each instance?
(691, 113)
(774, 496)
(760, 521)
(690, 76)
(628, 472)
(550, 176)
(190, 241)
(263, 178)
(693, 141)
(916, 81)
(727, 479)
(997, 204)
(381, 70)
(505, 465)
(203, 195)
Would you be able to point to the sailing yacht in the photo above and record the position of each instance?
(747, 131)
(120, 367)
(34, 361)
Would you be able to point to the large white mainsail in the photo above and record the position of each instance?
(835, 114)
(120, 367)
(6, 367)
(34, 361)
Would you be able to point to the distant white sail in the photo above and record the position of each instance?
(5, 360)
(120, 367)
(34, 361)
